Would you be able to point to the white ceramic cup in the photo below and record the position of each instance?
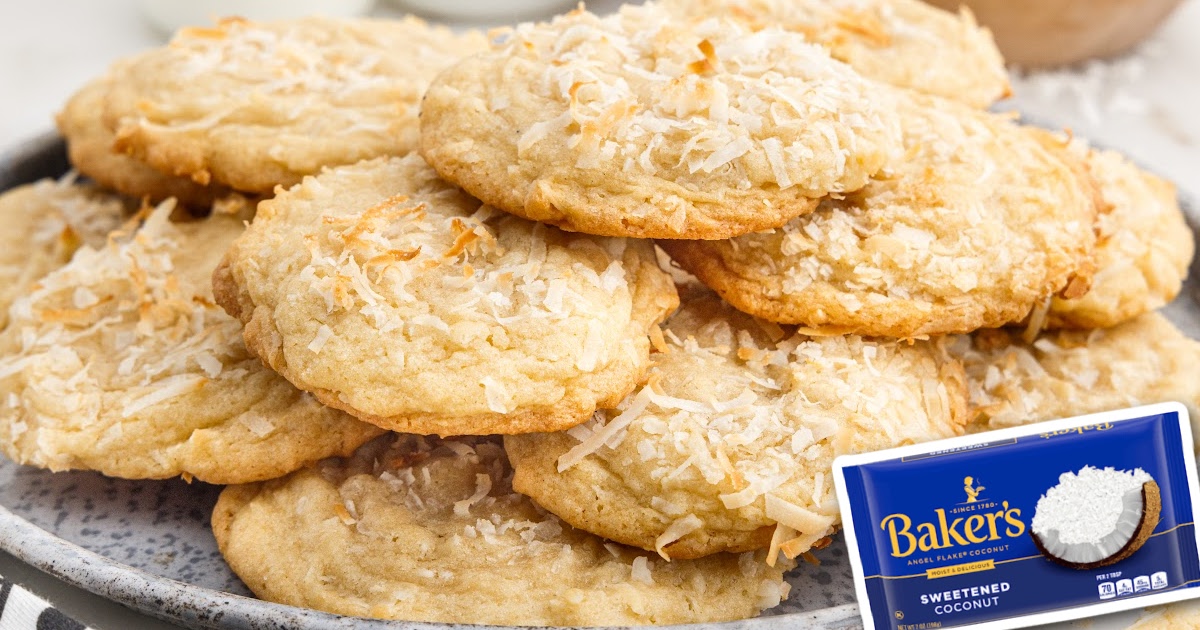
(169, 15)
(496, 11)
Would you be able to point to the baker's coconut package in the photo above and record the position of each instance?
(1041, 523)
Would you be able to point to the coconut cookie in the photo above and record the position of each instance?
(1068, 373)
(120, 362)
(255, 105)
(641, 124)
(1143, 250)
(729, 445)
(391, 294)
(422, 529)
(90, 149)
(903, 42)
(973, 227)
(44, 223)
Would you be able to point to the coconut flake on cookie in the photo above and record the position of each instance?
(643, 124)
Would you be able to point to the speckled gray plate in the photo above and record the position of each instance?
(148, 545)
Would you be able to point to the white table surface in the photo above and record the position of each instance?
(1146, 104)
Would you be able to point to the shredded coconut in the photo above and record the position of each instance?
(165, 390)
(428, 272)
(752, 425)
(676, 530)
(1085, 507)
(324, 333)
(1098, 89)
(717, 98)
(496, 395)
(605, 432)
(483, 485)
(641, 570)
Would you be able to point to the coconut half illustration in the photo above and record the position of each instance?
(1096, 517)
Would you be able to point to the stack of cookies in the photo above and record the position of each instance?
(577, 344)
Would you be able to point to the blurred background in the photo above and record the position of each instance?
(1145, 100)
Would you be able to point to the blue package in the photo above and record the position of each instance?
(1037, 524)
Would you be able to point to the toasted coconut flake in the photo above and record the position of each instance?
(258, 425)
(540, 130)
(678, 529)
(84, 298)
(658, 341)
(495, 393)
(745, 399)
(774, 149)
(725, 155)
(760, 483)
(770, 593)
(483, 486)
(733, 474)
(1037, 320)
(168, 388)
(800, 544)
(796, 517)
(671, 402)
(781, 534)
(593, 347)
(605, 433)
(343, 514)
(211, 365)
(579, 432)
(324, 333)
(641, 570)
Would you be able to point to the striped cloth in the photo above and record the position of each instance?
(22, 610)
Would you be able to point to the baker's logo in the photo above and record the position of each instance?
(985, 520)
(972, 492)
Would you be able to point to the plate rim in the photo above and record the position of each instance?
(136, 589)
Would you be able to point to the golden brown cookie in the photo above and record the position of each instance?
(44, 223)
(255, 105)
(421, 529)
(975, 225)
(903, 42)
(641, 124)
(1073, 372)
(391, 294)
(90, 149)
(1143, 250)
(120, 362)
(731, 440)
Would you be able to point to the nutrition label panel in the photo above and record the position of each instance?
(1115, 585)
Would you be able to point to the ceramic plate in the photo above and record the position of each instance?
(147, 544)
